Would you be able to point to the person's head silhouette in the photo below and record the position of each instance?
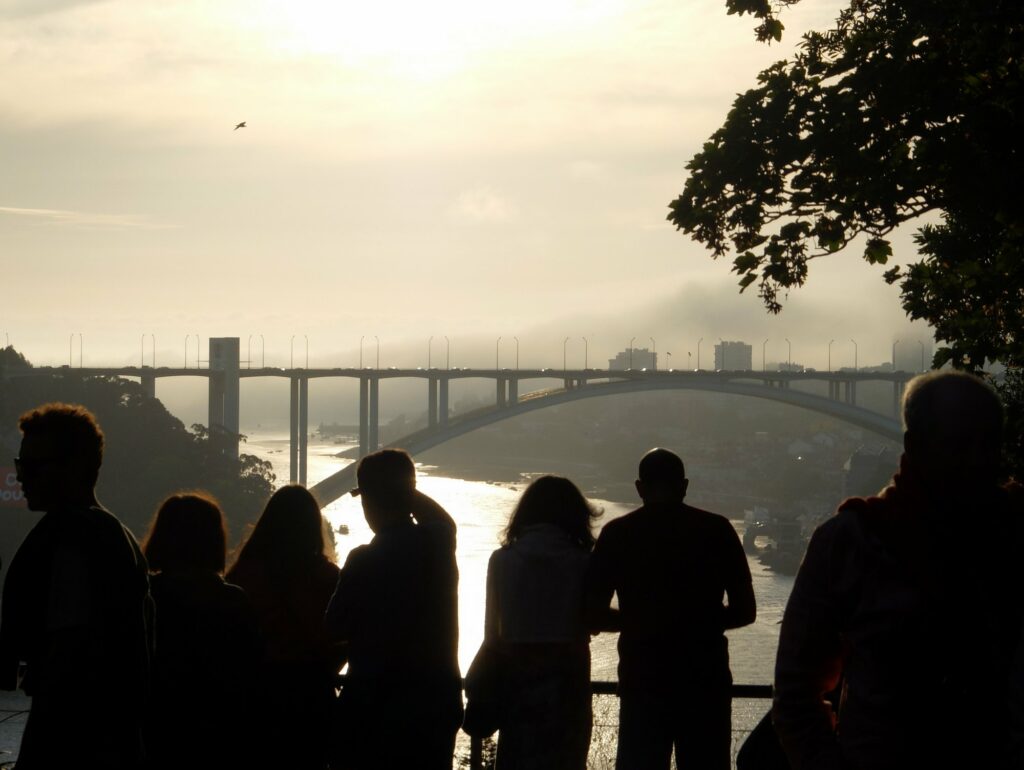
(387, 481)
(60, 457)
(662, 478)
(953, 425)
(187, 535)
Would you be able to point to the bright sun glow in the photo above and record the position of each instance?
(414, 38)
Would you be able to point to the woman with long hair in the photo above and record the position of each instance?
(286, 568)
(207, 641)
(534, 616)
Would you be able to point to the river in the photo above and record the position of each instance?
(481, 510)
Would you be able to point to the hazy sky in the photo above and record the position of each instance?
(462, 167)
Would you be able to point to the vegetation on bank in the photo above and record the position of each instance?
(149, 453)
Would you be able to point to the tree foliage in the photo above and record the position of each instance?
(149, 454)
(904, 107)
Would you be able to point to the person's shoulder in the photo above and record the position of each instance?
(622, 524)
(707, 517)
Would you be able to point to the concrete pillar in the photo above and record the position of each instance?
(500, 383)
(442, 406)
(224, 393)
(215, 402)
(374, 427)
(364, 416)
(432, 402)
(513, 391)
(293, 430)
(149, 386)
(303, 428)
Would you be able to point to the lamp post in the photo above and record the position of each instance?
(631, 341)
(430, 341)
(142, 350)
(918, 342)
(375, 337)
(586, 352)
(855, 367)
(71, 340)
(654, 353)
(80, 350)
(517, 352)
(894, 342)
(291, 353)
(698, 352)
(830, 356)
(564, 343)
(361, 337)
(764, 345)
(789, 354)
(447, 353)
(497, 350)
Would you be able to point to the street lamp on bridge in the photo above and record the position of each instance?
(894, 342)
(789, 353)
(763, 346)
(830, 356)
(375, 337)
(855, 367)
(631, 341)
(517, 352)
(497, 351)
(430, 341)
(918, 342)
(564, 343)
(654, 353)
(447, 353)
(586, 352)
(698, 352)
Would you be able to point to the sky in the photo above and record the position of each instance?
(460, 168)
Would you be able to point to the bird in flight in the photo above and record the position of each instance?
(240, 125)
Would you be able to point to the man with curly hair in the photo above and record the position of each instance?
(76, 607)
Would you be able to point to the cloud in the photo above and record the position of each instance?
(23, 8)
(79, 218)
(482, 205)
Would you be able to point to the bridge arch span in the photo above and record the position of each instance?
(337, 484)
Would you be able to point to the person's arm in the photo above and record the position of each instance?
(338, 619)
(809, 661)
(600, 586)
(492, 627)
(426, 510)
(739, 587)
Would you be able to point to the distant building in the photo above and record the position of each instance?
(637, 358)
(734, 356)
(790, 367)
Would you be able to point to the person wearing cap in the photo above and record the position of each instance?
(396, 608)
(671, 566)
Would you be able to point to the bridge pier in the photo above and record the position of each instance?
(223, 405)
(432, 402)
(442, 406)
(364, 416)
(374, 427)
(513, 391)
(148, 385)
(500, 383)
(298, 424)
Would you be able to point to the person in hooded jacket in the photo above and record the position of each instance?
(535, 617)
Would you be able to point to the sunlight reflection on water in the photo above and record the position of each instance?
(481, 510)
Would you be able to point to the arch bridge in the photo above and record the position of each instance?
(224, 374)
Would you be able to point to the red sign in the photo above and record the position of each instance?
(10, 489)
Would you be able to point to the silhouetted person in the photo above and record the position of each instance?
(535, 616)
(396, 607)
(76, 605)
(205, 665)
(288, 576)
(671, 566)
(913, 600)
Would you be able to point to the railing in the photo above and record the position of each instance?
(746, 691)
